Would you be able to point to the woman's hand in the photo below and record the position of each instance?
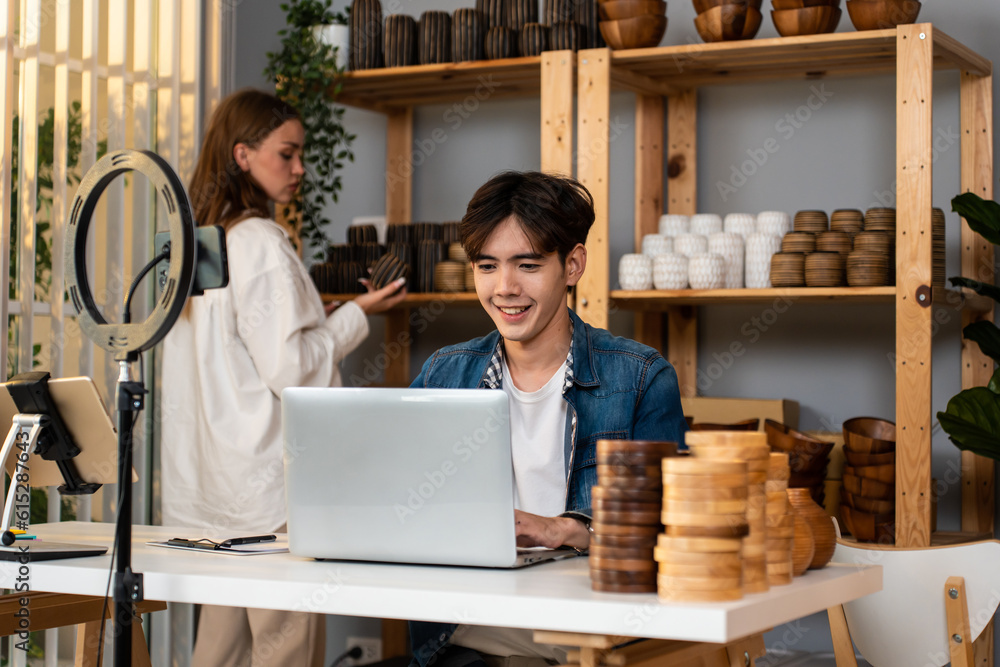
(552, 532)
(377, 301)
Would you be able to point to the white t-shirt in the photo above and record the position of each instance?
(537, 437)
(225, 363)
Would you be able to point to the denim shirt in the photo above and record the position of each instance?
(620, 390)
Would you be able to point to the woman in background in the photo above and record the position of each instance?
(231, 353)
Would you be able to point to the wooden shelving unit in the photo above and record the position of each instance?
(666, 79)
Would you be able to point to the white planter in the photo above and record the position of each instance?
(743, 224)
(338, 36)
(706, 224)
(707, 271)
(690, 244)
(656, 244)
(760, 248)
(670, 271)
(674, 225)
(776, 223)
(730, 247)
(635, 272)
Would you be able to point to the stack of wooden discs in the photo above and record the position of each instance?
(626, 505)
(404, 251)
(824, 269)
(788, 269)
(804, 242)
(937, 256)
(811, 221)
(705, 516)
(534, 39)
(456, 253)
(400, 40)
(366, 35)
(881, 220)
(338, 252)
(358, 234)
(399, 232)
(434, 38)
(324, 275)
(501, 42)
(520, 13)
(451, 232)
(848, 220)
(449, 276)
(467, 31)
(749, 446)
(834, 242)
(867, 269)
(429, 253)
(566, 36)
(470, 278)
(348, 276)
(779, 522)
(367, 254)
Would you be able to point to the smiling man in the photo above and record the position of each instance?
(569, 384)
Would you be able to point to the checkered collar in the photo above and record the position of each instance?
(494, 372)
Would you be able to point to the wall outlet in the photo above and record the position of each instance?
(371, 650)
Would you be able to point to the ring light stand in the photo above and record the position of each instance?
(126, 340)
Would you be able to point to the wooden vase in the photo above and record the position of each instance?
(400, 40)
(519, 13)
(467, 35)
(803, 547)
(534, 39)
(821, 524)
(366, 35)
(566, 36)
(587, 16)
(494, 12)
(434, 38)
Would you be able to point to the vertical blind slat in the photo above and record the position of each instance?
(89, 136)
(7, 101)
(27, 171)
(60, 192)
(167, 126)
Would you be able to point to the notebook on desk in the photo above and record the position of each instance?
(402, 475)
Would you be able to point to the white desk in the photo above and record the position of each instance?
(552, 596)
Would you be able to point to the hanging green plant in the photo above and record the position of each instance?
(302, 71)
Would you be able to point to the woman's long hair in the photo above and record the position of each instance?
(222, 193)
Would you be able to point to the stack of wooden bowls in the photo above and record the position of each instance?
(449, 276)
(807, 457)
(814, 222)
(834, 241)
(825, 269)
(788, 268)
(626, 503)
(937, 240)
(705, 517)
(744, 425)
(805, 17)
(721, 447)
(882, 14)
(632, 24)
(800, 242)
(849, 220)
(722, 21)
(868, 499)
(779, 522)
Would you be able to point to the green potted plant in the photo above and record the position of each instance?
(302, 70)
(972, 417)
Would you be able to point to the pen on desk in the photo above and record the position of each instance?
(254, 539)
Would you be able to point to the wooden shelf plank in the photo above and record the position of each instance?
(663, 299)
(418, 298)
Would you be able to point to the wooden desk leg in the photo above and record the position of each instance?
(744, 652)
(956, 610)
(843, 647)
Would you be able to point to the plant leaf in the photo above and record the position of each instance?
(987, 336)
(977, 286)
(972, 421)
(994, 384)
(983, 215)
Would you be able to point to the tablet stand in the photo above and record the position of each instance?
(26, 429)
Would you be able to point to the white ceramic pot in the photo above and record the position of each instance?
(743, 224)
(776, 223)
(338, 36)
(635, 272)
(706, 271)
(760, 248)
(674, 225)
(730, 247)
(656, 244)
(670, 271)
(690, 244)
(706, 224)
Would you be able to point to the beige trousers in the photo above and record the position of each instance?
(236, 637)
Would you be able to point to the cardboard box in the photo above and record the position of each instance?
(732, 410)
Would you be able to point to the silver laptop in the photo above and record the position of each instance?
(402, 475)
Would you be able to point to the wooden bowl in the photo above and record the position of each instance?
(782, 438)
(861, 459)
(867, 527)
(728, 22)
(614, 10)
(806, 21)
(869, 435)
(702, 6)
(868, 488)
(745, 425)
(884, 473)
(869, 505)
(799, 4)
(882, 14)
(635, 33)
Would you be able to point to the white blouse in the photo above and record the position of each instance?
(225, 363)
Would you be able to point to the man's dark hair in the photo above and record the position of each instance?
(555, 212)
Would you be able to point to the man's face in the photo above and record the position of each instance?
(522, 291)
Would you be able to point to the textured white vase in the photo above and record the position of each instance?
(730, 247)
(743, 224)
(656, 244)
(670, 271)
(706, 224)
(776, 223)
(760, 248)
(674, 225)
(635, 272)
(706, 271)
(690, 244)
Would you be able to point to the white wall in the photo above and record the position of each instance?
(833, 359)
